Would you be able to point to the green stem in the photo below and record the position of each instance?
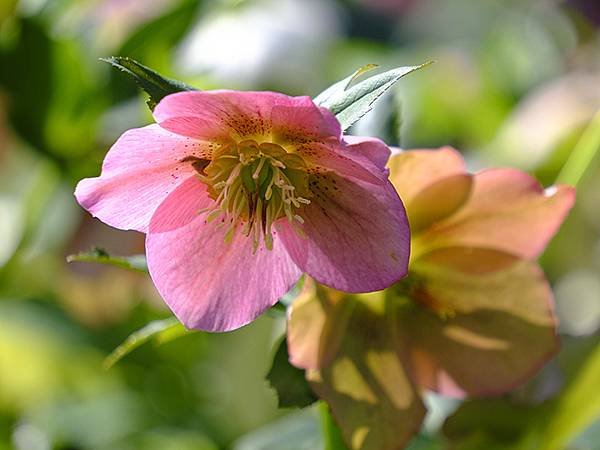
(583, 155)
(332, 436)
(577, 407)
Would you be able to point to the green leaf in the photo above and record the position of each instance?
(154, 84)
(101, 256)
(288, 381)
(349, 104)
(161, 331)
(342, 85)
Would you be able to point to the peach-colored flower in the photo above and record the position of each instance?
(473, 317)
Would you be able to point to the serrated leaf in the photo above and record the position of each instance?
(352, 103)
(289, 382)
(342, 85)
(101, 256)
(160, 330)
(154, 84)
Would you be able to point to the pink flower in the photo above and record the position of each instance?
(473, 317)
(240, 192)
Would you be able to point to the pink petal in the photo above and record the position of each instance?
(298, 119)
(413, 170)
(508, 210)
(236, 115)
(368, 150)
(138, 172)
(209, 284)
(483, 322)
(357, 236)
(336, 157)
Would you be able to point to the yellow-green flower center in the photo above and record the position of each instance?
(253, 185)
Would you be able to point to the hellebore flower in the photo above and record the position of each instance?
(240, 192)
(473, 317)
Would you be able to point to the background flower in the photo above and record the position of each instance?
(474, 316)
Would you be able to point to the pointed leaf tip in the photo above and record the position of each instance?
(350, 103)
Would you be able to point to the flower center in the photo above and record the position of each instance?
(253, 185)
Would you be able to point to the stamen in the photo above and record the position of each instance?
(254, 186)
(259, 168)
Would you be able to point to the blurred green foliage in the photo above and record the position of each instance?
(515, 83)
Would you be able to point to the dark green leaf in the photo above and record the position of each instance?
(98, 255)
(160, 330)
(349, 104)
(288, 381)
(154, 84)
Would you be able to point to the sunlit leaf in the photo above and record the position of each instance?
(288, 381)
(352, 103)
(342, 85)
(160, 330)
(154, 84)
(101, 256)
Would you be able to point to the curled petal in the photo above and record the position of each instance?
(482, 323)
(412, 171)
(369, 151)
(226, 114)
(208, 283)
(356, 234)
(508, 210)
(138, 173)
(438, 201)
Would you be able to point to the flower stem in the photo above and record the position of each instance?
(332, 436)
(583, 155)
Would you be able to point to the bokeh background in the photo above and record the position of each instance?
(515, 83)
